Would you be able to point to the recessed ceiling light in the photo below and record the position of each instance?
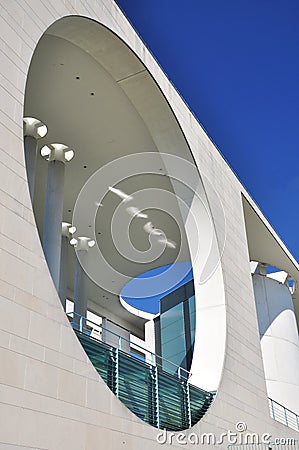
(45, 151)
(42, 130)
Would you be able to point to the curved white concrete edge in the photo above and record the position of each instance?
(279, 340)
(51, 396)
(210, 333)
(135, 311)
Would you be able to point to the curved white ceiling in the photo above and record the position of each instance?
(95, 96)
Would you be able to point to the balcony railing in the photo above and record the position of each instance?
(283, 415)
(164, 400)
(279, 444)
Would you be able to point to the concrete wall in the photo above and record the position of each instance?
(279, 340)
(51, 397)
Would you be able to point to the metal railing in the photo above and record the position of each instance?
(279, 444)
(168, 391)
(283, 415)
(162, 399)
(85, 325)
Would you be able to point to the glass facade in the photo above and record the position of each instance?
(173, 342)
(175, 329)
(192, 314)
(159, 398)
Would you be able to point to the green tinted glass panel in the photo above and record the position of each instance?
(173, 342)
(103, 358)
(192, 315)
(136, 387)
(199, 403)
(171, 403)
(160, 399)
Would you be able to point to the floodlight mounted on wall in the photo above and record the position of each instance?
(67, 229)
(57, 152)
(82, 243)
(34, 127)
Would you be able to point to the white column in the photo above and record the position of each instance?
(82, 246)
(57, 155)
(279, 340)
(115, 335)
(65, 236)
(34, 129)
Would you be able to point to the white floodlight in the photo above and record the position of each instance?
(69, 154)
(45, 151)
(34, 127)
(57, 152)
(42, 130)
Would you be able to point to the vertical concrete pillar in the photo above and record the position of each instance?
(82, 246)
(279, 340)
(53, 218)
(56, 154)
(116, 335)
(80, 286)
(34, 129)
(63, 277)
(63, 271)
(30, 146)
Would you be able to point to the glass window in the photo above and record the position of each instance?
(173, 342)
(192, 315)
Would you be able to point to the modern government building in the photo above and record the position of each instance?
(145, 300)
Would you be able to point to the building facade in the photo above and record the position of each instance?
(121, 148)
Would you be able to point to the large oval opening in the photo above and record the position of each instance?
(113, 187)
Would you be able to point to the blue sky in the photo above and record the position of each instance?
(236, 64)
(156, 283)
